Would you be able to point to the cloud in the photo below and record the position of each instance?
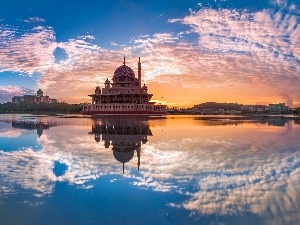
(7, 92)
(10, 90)
(28, 52)
(84, 37)
(248, 56)
(287, 99)
(34, 19)
(268, 34)
(234, 47)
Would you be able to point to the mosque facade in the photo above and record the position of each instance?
(124, 95)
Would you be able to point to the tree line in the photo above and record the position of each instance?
(40, 108)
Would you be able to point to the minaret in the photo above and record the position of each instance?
(138, 151)
(140, 72)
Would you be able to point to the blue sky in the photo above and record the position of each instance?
(248, 50)
(113, 21)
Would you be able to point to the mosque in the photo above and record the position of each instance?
(125, 95)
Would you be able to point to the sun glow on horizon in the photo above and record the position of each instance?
(199, 55)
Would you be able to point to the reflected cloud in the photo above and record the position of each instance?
(24, 168)
(7, 132)
(16, 135)
(222, 170)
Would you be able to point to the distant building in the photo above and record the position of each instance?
(214, 108)
(278, 108)
(209, 108)
(255, 109)
(38, 98)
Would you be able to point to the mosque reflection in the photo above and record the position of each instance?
(123, 136)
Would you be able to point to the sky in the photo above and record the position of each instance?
(191, 51)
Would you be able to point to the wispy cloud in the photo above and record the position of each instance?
(269, 35)
(10, 133)
(84, 37)
(34, 19)
(245, 55)
(231, 170)
(10, 90)
(7, 92)
(29, 51)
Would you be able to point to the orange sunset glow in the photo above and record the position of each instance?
(200, 54)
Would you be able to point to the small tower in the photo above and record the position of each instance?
(97, 90)
(39, 93)
(107, 83)
(140, 71)
(144, 88)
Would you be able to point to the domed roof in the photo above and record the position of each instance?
(39, 91)
(124, 71)
(122, 156)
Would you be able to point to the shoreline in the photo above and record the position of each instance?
(168, 114)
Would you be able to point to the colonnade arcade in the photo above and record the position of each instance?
(139, 99)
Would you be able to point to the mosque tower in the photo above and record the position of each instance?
(140, 71)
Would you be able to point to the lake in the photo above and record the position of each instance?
(157, 170)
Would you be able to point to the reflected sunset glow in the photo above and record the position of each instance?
(221, 167)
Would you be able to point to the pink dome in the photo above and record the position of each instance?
(124, 71)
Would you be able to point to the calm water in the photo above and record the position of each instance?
(173, 170)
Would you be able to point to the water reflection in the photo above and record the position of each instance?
(17, 134)
(39, 127)
(59, 168)
(124, 136)
(279, 121)
(216, 170)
